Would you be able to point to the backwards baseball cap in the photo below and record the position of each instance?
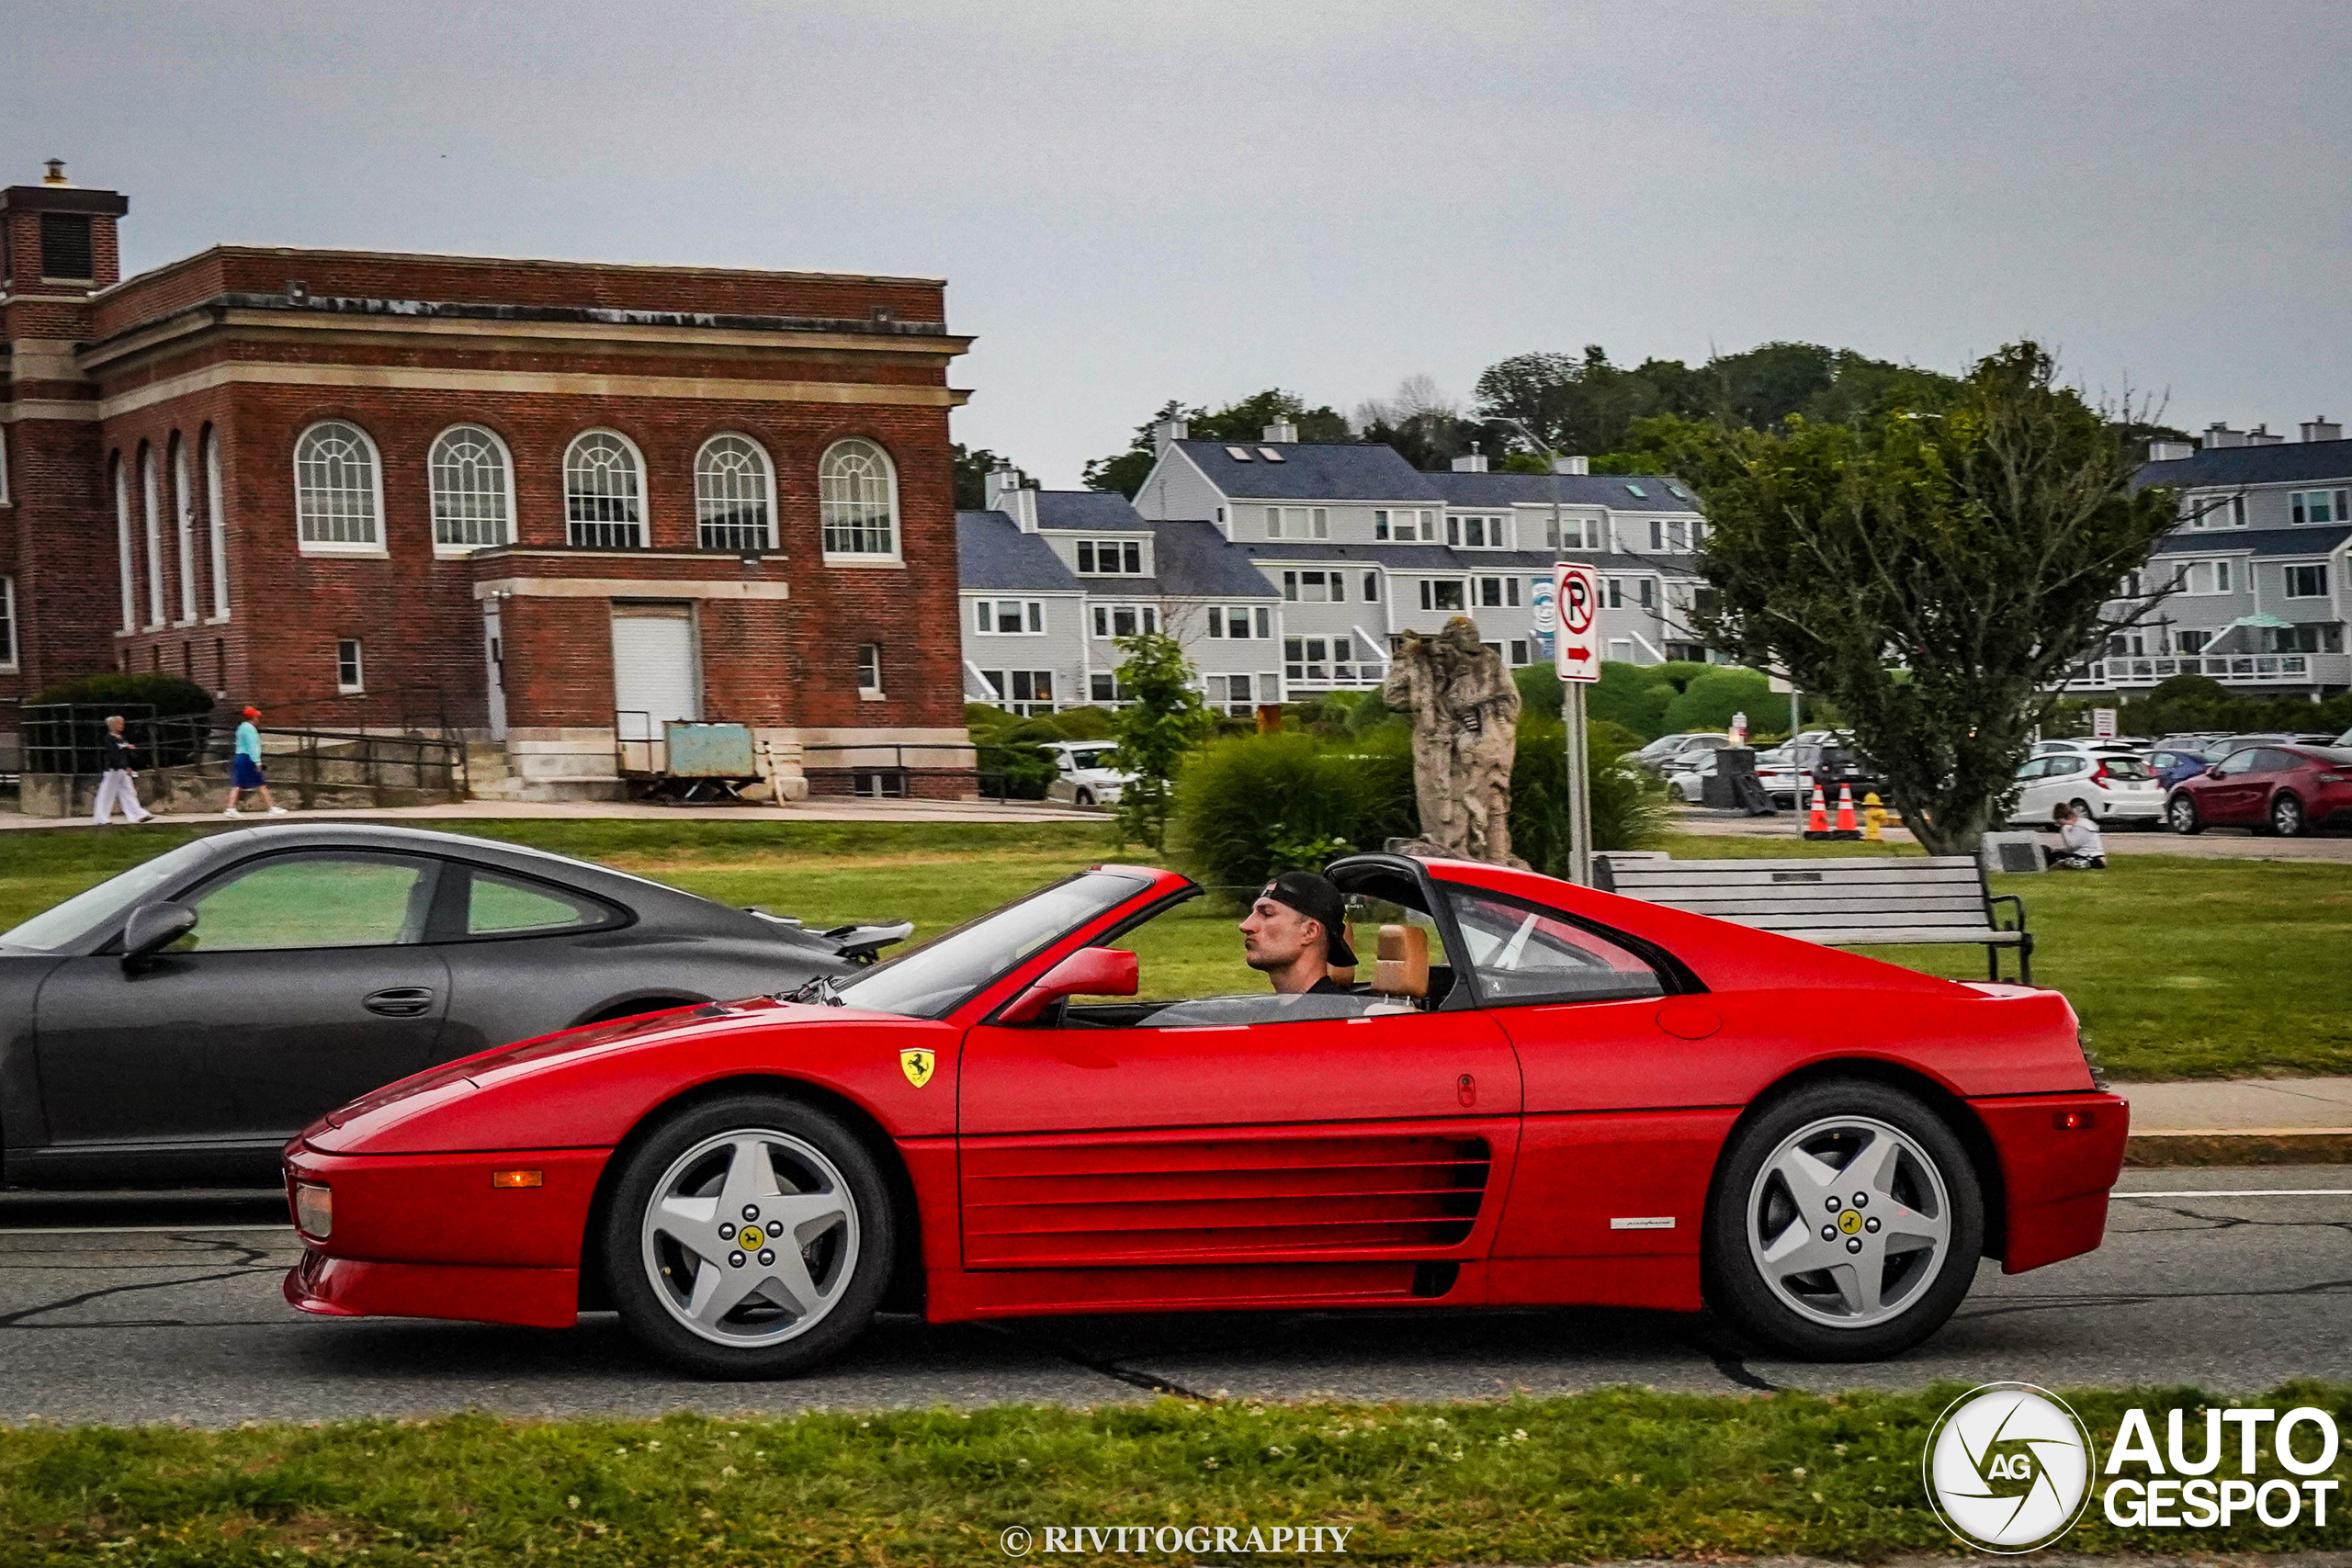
(1312, 894)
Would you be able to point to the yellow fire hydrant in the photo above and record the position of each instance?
(1873, 818)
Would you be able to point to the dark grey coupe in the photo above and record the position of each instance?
(179, 1022)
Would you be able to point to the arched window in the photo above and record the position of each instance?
(217, 524)
(472, 497)
(337, 498)
(122, 545)
(604, 496)
(734, 499)
(154, 527)
(857, 499)
(184, 513)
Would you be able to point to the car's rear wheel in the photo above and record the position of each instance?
(2181, 816)
(1847, 1223)
(749, 1237)
(1085, 798)
(2287, 819)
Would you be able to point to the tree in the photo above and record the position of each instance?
(973, 467)
(1244, 421)
(1164, 719)
(1935, 575)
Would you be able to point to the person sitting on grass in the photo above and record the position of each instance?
(2079, 846)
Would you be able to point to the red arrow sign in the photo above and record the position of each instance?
(1575, 652)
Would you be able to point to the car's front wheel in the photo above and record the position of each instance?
(2287, 819)
(1085, 798)
(749, 1237)
(2180, 815)
(1846, 1225)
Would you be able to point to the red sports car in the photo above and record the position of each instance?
(2286, 789)
(1539, 1095)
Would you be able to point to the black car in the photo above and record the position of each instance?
(180, 1021)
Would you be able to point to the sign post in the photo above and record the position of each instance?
(1575, 654)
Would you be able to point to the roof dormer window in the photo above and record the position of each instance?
(1269, 453)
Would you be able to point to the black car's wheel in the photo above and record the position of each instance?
(1846, 1225)
(1086, 797)
(749, 1237)
(2287, 819)
(2180, 813)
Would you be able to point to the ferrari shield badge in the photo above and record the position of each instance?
(918, 1065)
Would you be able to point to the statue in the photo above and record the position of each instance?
(1466, 717)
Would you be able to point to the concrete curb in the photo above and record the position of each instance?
(2239, 1146)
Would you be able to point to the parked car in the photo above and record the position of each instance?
(1833, 762)
(2270, 738)
(1776, 773)
(180, 1021)
(1817, 1145)
(2287, 790)
(2089, 748)
(2107, 788)
(1660, 751)
(2173, 763)
(1082, 772)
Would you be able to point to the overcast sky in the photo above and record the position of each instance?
(1134, 203)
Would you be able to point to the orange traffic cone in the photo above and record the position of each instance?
(1816, 821)
(1847, 827)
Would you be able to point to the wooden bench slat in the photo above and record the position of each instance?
(1958, 877)
(1902, 936)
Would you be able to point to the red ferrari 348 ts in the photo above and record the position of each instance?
(1542, 1094)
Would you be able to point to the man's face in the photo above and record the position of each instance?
(1276, 934)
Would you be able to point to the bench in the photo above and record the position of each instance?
(1838, 903)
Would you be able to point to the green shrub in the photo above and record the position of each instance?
(1680, 673)
(169, 695)
(1709, 701)
(1632, 696)
(1541, 690)
(1246, 804)
(1628, 805)
(164, 717)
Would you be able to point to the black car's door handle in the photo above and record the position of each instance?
(399, 1001)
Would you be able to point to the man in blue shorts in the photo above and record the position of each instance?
(244, 768)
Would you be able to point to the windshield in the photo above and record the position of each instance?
(2127, 768)
(84, 913)
(929, 981)
(1101, 758)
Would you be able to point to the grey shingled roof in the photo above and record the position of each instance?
(2264, 542)
(1195, 560)
(1575, 489)
(1088, 509)
(2283, 464)
(1312, 470)
(993, 552)
(1445, 559)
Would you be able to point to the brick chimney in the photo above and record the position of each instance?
(57, 237)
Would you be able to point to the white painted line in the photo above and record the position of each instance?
(128, 1230)
(2245, 1192)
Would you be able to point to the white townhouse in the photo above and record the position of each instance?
(2258, 566)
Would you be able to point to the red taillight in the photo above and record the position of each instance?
(2331, 778)
(2070, 1120)
(2098, 775)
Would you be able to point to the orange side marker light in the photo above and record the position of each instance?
(516, 1178)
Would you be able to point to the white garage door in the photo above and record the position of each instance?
(656, 676)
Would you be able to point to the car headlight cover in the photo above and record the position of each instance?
(314, 1208)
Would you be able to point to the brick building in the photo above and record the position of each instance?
(561, 501)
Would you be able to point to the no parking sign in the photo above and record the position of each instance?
(1575, 652)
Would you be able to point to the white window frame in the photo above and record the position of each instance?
(1334, 585)
(1493, 528)
(1219, 690)
(1430, 586)
(1311, 522)
(1001, 683)
(373, 545)
(869, 670)
(150, 506)
(1583, 526)
(1257, 623)
(705, 500)
(2208, 578)
(1030, 613)
(123, 558)
(359, 684)
(184, 513)
(217, 524)
(832, 525)
(1404, 524)
(1102, 620)
(2299, 506)
(1300, 659)
(7, 623)
(1505, 588)
(1089, 555)
(2287, 580)
(451, 549)
(642, 499)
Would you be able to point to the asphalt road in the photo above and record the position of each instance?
(167, 1309)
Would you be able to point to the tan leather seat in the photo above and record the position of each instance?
(1402, 969)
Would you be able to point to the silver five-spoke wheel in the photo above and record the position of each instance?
(751, 1238)
(1849, 1222)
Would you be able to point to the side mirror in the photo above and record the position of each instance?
(2213, 771)
(152, 928)
(1089, 971)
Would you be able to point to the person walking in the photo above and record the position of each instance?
(118, 778)
(244, 768)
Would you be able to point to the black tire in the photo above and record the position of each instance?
(2181, 814)
(2288, 818)
(2083, 810)
(1084, 798)
(1925, 1293)
(862, 1265)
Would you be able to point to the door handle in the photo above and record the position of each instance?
(399, 1001)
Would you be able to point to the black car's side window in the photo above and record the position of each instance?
(331, 898)
(498, 905)
(1519, 952)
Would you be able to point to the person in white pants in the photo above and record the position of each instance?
(117, 784)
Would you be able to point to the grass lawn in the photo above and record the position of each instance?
(2179, 967)
(1619, 1474)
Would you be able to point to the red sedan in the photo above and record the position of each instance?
(2287, 790)
(1541, 1095)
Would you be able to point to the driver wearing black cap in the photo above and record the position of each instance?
(1296, 934)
